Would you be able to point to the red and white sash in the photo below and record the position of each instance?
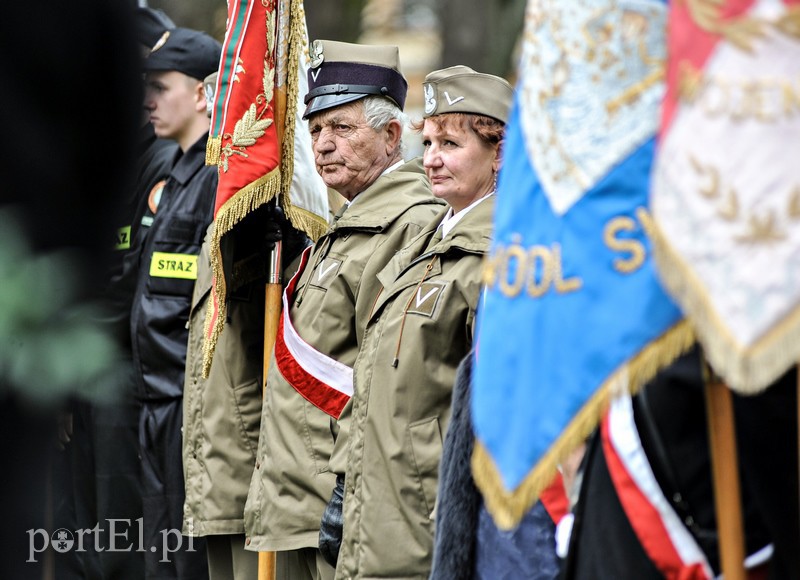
(660, 530)
(322, 381)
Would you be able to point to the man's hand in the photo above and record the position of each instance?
(330, 530)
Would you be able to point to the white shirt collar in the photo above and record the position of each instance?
(451, 219)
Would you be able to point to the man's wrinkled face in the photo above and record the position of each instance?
(349, 154)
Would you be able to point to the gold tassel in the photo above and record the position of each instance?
(213, 148)
(306, 221)
(294, 45)
(244, 201)
(509, 507)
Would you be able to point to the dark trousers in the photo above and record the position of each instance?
(168, 554)
(97, 488)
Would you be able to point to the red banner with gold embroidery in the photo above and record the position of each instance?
(256, 136)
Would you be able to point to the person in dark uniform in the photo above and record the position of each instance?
(103, 451)
(664, 430)
(176, 101)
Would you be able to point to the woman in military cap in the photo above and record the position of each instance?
(419, 329)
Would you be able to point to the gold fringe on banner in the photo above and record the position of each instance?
(306, 221)
(509, 507)
(243, 202)
(213, 147)
(314, 226)
(746, 370)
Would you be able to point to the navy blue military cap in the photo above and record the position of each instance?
(151, 24)
(342, 73)
(191, 52)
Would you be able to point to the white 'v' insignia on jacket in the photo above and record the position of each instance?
(422, 299)
(322, 272)
(452, 101)
(315, 74)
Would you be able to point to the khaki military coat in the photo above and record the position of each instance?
(221, 414)
(419, 329)
(293, 481)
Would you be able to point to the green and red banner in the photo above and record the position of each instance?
(257, 138)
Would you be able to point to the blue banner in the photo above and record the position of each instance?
(573, 308)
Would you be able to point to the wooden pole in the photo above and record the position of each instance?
(272, 312)
(725, 467)
(266, 565)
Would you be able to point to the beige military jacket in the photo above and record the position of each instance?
(221, 414)
(293, 481)
(420, 328)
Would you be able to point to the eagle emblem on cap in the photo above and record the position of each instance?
(430, 98)
(316, 54)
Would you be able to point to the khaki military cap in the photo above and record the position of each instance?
(342, 73)
(459, 89)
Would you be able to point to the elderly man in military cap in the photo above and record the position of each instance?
(354, 112)
(167, 270)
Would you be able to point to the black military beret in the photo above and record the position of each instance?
(191, 52)
(151, 24)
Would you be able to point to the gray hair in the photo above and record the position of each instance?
(378, 111)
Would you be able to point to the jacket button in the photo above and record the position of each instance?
(258, 465)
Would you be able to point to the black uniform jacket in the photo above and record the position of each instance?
(167, 272)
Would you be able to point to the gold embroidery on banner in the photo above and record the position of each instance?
(766, 100)
(742, 32)
(563, 286)
(690, 82)
(253, 125)
(610, 47)
(517, 253)
(711, 190)
(789, 22)
(635, 91)
(536, 290)
(729, 208)
(542, 260)
(762, 227)
(630, 245)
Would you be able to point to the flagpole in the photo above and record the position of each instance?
(272, 313)
(272, 310)
(724, 463)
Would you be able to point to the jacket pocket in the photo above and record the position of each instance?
(248, 406)
(318, 436)
(175, 258)
(426, 448)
